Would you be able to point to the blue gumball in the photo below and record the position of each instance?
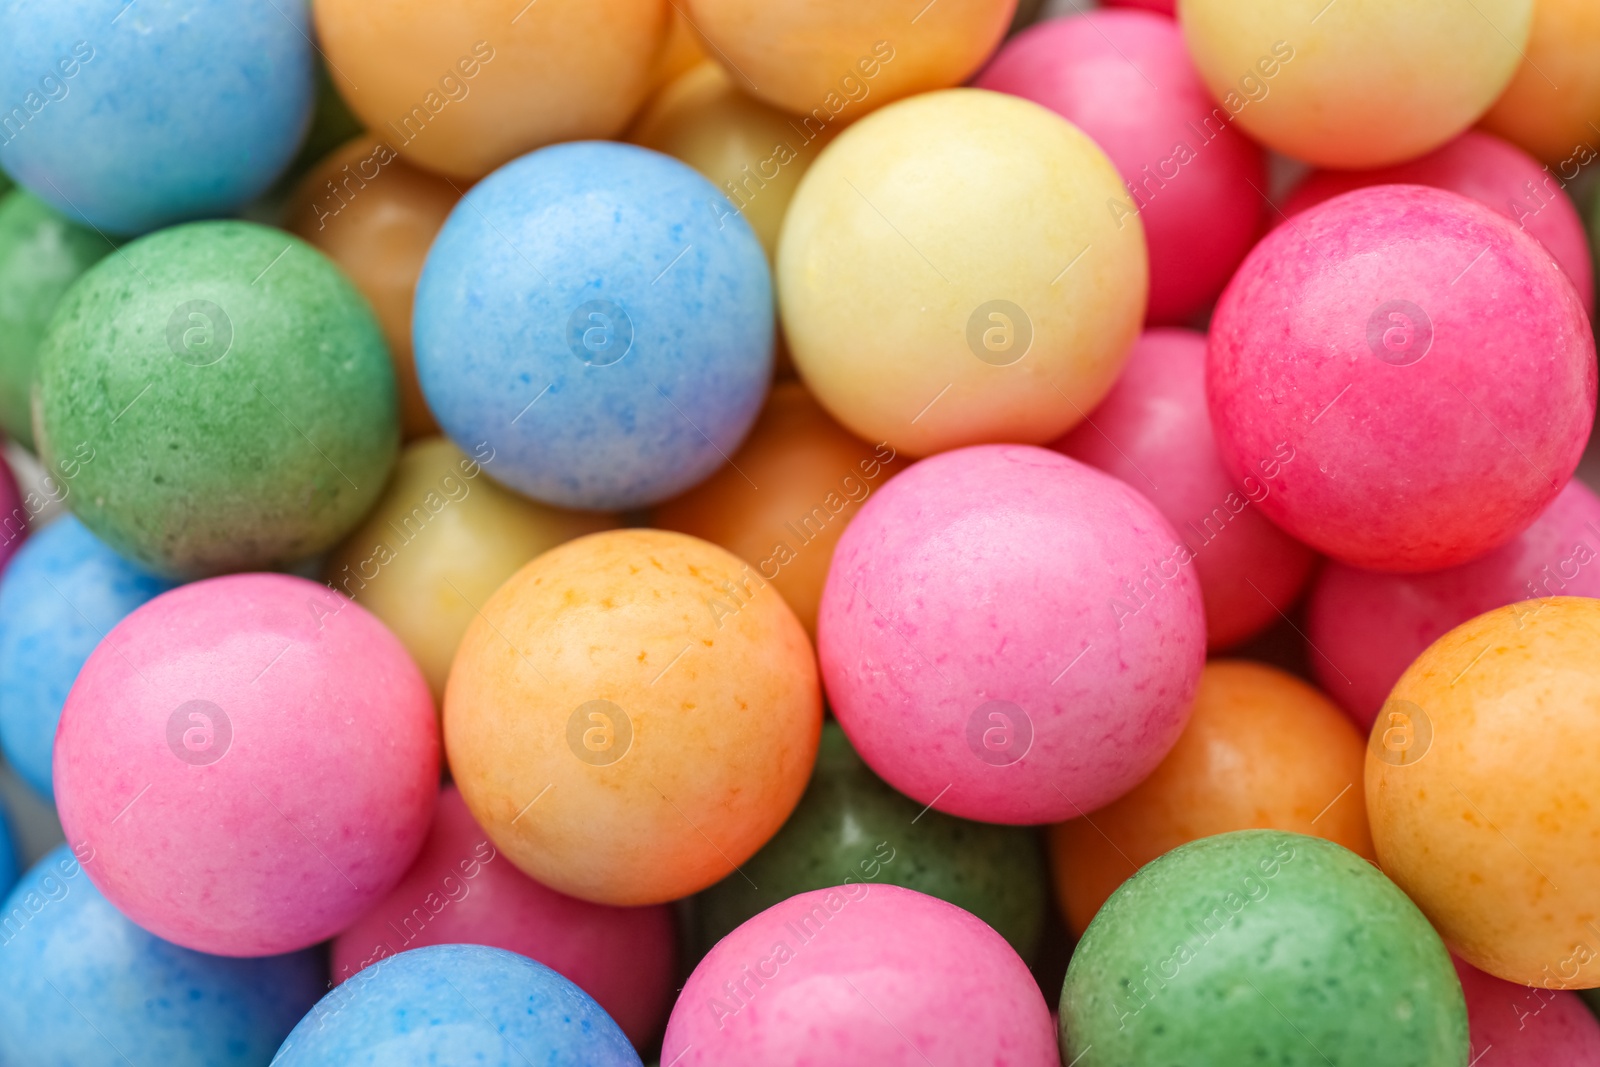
(81, 986)
(600, 317)
(63, 590)
(129, 115)
(457, 1004)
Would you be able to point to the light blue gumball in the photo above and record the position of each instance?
(62, 592)
(450, 1004)
(81, 986)
(600, 317)
(129, 115)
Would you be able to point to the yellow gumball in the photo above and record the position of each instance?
(438, 544)
(1552, 106)
(1355, 83)
(959, 268)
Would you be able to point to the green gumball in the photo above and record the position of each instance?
(217, 397)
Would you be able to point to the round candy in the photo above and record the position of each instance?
(601, 317)
(228, 394)
(1340, 85)
(41, 253)
(632, 715)
(827, 59)
(456, 1004)
(1493, 172)
(461, 89)
(82, 986)
(462, 891)
(1365, 628)
(17, 512)
(951, 273)
(1555, 95)
(861, 974)
(1263, 750)
(1478, 790)
(1163, 7)
(850, 827)
(439, 542)
(1011, 636)
(1262, 947)
(129, 120)
(1527, 1027)
(375, 216)
(58, 598)
(784, 498)
(1153, 431)
(1125, 79)
(254, 761)
(1429, 364)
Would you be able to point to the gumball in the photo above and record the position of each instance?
(861, 974)
(464, 88)
(1162, 7)
(1263, 750)
(227, 395)
(1338, 85)
(1554, 98)
(622, 284)
(456, 1004)
(1153, 431)
(462, 891)
(632, 715)
(1477, 789)
(1493, 172)
(375, 216)
(782, 500)
(253, 759)
(82, 986)
(16, 511)
(852, 828)
(1261, 946)
(951, 273)
(129, 120)
(1011, 636)
(41, 253)
(1527, 1027)
(1366, 628)
(58, 598)
(1125, 79)
(1429, 365)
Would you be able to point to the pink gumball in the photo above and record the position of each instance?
(1152, 431)
(1365, 628)
(1514, 1026)
(251, 761)
(1161, 7)
(14, 518)
(861, 974)
(1125, 78)
(1493, 172)
(1429, 364)
(461, 891)
(1010, 635)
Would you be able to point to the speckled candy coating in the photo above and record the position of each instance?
(1527, 1027)
(1010, 635)
(861, 974)
(58, 598)
(456, 1004)
(136, 119)
(82, 986)
(1431, 366)
(254, 760)
(1262, 947)
(602, 318)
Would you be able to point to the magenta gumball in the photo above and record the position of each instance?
(1527, 1027)
(1009, 635)
(14, 516)
(1429, 364)
(253, 762)
(1366, 627)
(1125, 78)
(1493, 172)
(861, 974)
(1153, 431)
(1162, 7)
(462, 891)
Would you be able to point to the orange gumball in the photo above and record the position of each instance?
(1552, 106)
(1481, 784)
(1263, 750)
(465, 86)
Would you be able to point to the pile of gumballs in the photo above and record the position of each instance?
(902, 533)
